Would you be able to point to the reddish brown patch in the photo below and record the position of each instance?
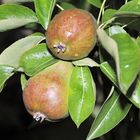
(74, 28)
(47, 92)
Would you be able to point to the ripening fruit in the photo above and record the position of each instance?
(46, 94)
(71, 34)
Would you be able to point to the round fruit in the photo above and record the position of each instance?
(71, 34)
(46, 94)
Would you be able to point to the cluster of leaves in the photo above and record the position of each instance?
(119, 56)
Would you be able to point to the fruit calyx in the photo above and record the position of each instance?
(38, 116)
(60, 47)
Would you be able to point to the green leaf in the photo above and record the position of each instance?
(131, 8)
(138, 40)
(133, 95)
(129, 22)
(108, 71)
(129, 15)
(5, 73)
(16, 1)
(112, 113)
(129, 56)
(81, 95)
(44, 9)
(126, 53)
(115, 30)
(63, 0)
(36, 59)
(12, 54)
(86, 62)
(23, 81)
(96, 3)
(108, 14)
(110, 46)
(66, 5)
(14, 16)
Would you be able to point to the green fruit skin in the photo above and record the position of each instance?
(47, 92)
(76, 29)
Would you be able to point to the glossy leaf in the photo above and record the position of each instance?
(12, 54)
(108, 14)
(108, 71)
(129, 15)
(132, 7)
(129, 56)
(115, 30)
(5, 73)
(44, 9)
(133, 95)
(63, 0)
(138, 40)
(66, 5)
(110, 46)
(16, 1)
(36, 59)
(14, 16)
(96, 3)
(86, 62)
(81, 95)
(112, 113)
(126, 54)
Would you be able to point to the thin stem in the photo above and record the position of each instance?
(126, 1)
(103, 25)
(100, 12)
(129, 23)
(61, 8)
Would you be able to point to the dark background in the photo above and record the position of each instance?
(17, 124)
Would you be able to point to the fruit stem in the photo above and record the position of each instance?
(38, 116)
